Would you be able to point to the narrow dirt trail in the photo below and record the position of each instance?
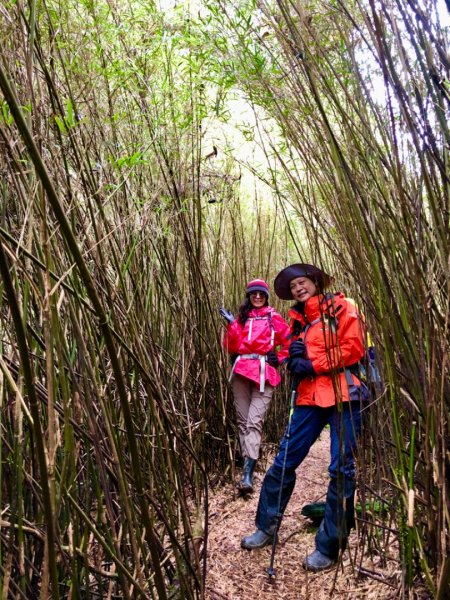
(237, 574)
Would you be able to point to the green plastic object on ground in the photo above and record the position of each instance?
(316, 510)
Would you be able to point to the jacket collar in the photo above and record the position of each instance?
(314, 307)
(260, 312)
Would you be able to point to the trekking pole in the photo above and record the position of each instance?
(271, 570)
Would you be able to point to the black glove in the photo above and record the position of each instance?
(297, 349)
(272, 358)
(226, 315)
(301, 367)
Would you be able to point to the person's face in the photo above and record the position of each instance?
(257, 299)
(303, 288)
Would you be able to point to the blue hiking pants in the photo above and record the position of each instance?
(306, 424)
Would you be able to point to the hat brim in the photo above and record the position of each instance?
(284, 278)
(257, 288)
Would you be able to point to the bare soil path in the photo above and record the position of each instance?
(237, 574)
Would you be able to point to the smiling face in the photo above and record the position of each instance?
(303, 288)
(257, 299)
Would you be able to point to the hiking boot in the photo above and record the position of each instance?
(246, 483)
(256, 540)
(317, 561)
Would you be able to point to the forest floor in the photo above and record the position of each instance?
(237, 574)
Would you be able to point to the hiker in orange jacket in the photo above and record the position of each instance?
(252, 338)
(328, 343)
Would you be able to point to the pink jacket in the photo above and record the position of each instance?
(263, 331)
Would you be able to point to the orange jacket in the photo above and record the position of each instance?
(334, 334)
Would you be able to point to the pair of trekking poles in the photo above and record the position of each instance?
(271, 570)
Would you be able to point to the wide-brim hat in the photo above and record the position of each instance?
(284, 278)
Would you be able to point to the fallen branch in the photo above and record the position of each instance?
(374, 575)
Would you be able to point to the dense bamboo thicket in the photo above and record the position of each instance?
(123, 228)
(114, 402)
(360, 92)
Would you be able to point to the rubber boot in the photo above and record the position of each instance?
(246, 484)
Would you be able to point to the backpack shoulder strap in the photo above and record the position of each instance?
(267, 317)
(272, 328)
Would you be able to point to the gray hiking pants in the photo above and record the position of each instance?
(251, 407)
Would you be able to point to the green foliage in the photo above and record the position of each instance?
(130, 161)
(6, 114)
(68, 121)
(126, 347)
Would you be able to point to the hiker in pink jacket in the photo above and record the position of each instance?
(257, 339)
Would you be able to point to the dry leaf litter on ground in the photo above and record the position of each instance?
(237, 574)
